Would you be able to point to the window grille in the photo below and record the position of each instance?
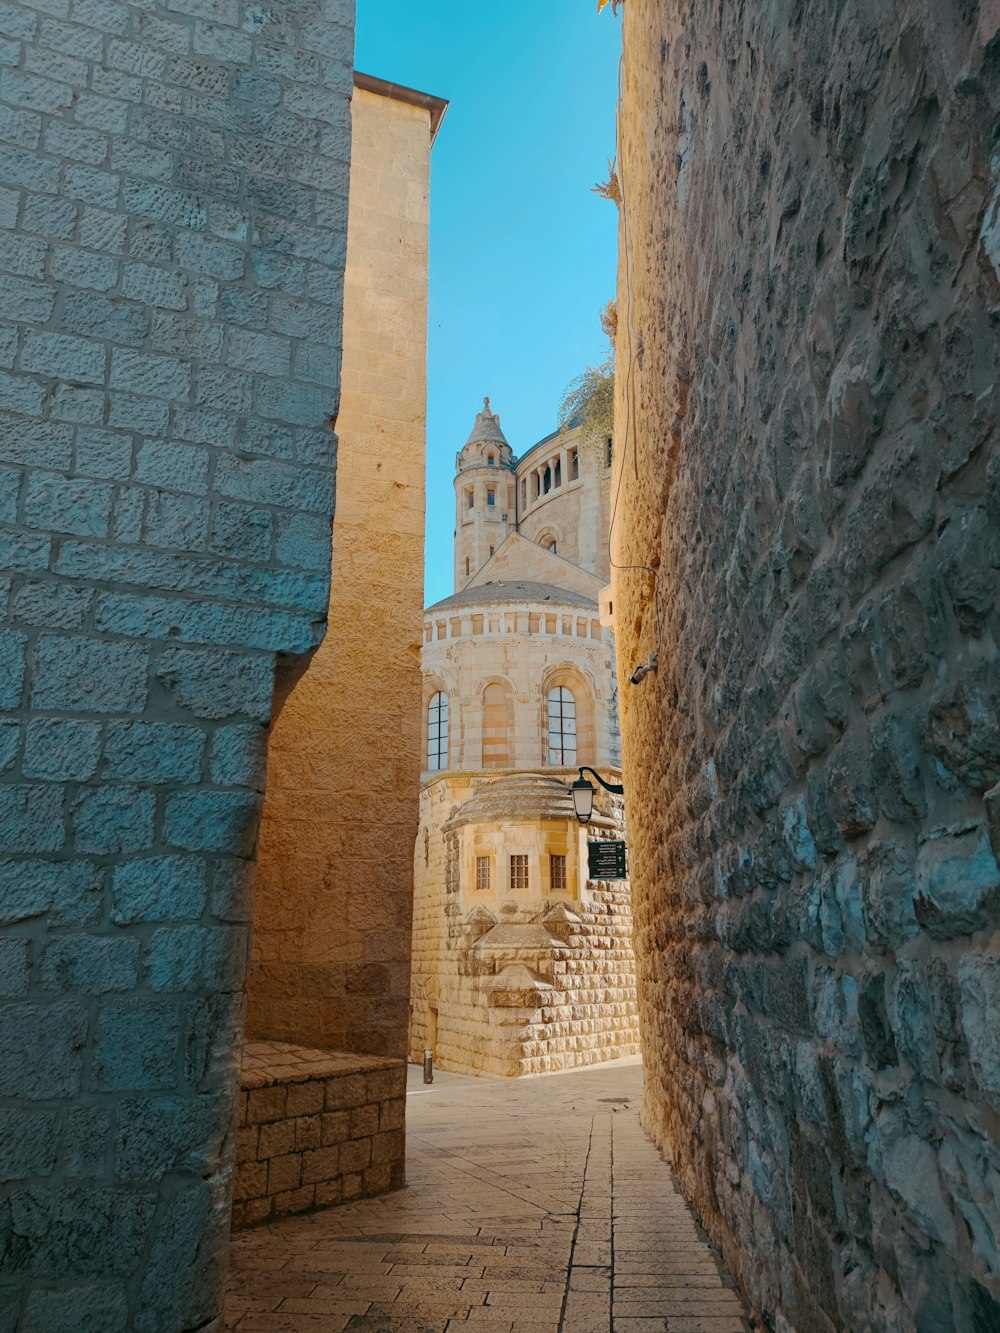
(561, 709)
(557, 872)
(437, 733)
(519, 872)
(483, 873)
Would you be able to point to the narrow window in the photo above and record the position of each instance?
(550, 545)
(524, 493)
(437, 733)
(518, 872)
(491, 460)
(469, 499)
(491, 497)
(466, 564)
(483, 874)
(574, 465)
(557, 872)
(538, 485)
(547, 479)
(557, 481)
(561, 709)
(491, 550)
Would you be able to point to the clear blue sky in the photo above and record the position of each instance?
(522, 252)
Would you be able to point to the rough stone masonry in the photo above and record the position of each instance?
(173, 192)
(808, 407)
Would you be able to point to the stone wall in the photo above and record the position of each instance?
(173, 184)
(518, 982)
(807, 420)
(331, 943)
(315, 1129)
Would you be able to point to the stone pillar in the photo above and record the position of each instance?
(809, 373)
(331, 947)
(174, 182)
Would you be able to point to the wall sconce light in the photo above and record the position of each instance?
(582, 793)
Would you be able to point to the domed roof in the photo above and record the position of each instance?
(514, 590)
(486, 428)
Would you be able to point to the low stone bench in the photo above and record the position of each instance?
(315, 1128)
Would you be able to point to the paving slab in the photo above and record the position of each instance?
(532, 1206)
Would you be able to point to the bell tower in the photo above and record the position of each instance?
(485, 493)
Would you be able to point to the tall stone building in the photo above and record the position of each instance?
(809, 397)
(330, 946)
(520, 962)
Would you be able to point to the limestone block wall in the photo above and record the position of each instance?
(331, 942)
(511, 983)
(808, 306)
(173, 192)
(576, 513)
(527, 645)
(315, 1129)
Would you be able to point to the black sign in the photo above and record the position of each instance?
(606, 859)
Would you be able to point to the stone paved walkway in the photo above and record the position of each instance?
(535, 1206)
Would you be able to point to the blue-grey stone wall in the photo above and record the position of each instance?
(809, 436)
(173, 197)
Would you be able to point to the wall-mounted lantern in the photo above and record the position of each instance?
(582, 793)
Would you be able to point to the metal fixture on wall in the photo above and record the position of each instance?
(582, 793)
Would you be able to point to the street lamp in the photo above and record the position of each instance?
(582, 792)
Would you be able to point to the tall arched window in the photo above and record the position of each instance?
(496, 745)
(561, 711)
(437, 733)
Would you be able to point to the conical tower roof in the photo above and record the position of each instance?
(486, 429)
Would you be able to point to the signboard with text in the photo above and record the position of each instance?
(606, 859)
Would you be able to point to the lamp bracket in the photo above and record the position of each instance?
(615, 788)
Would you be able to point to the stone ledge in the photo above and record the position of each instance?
(315, 1128)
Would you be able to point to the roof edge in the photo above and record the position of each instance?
(437, 106)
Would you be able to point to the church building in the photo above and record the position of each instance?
(521, 962)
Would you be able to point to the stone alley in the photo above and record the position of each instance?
(532, 1207)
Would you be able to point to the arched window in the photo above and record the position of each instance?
(437, 733)
(496, 749)
(547, 479)
(557, 476)
(490, 460)
(574, 465)
(550, 544)
(561, 713)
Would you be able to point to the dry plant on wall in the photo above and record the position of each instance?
(589, 400)
(614, 5)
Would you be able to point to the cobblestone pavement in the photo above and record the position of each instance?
(536, 1206)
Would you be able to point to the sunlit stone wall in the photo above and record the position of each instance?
(330, 963)
(173, 184)
(807, 427)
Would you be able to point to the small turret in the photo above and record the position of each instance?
(484, 495)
